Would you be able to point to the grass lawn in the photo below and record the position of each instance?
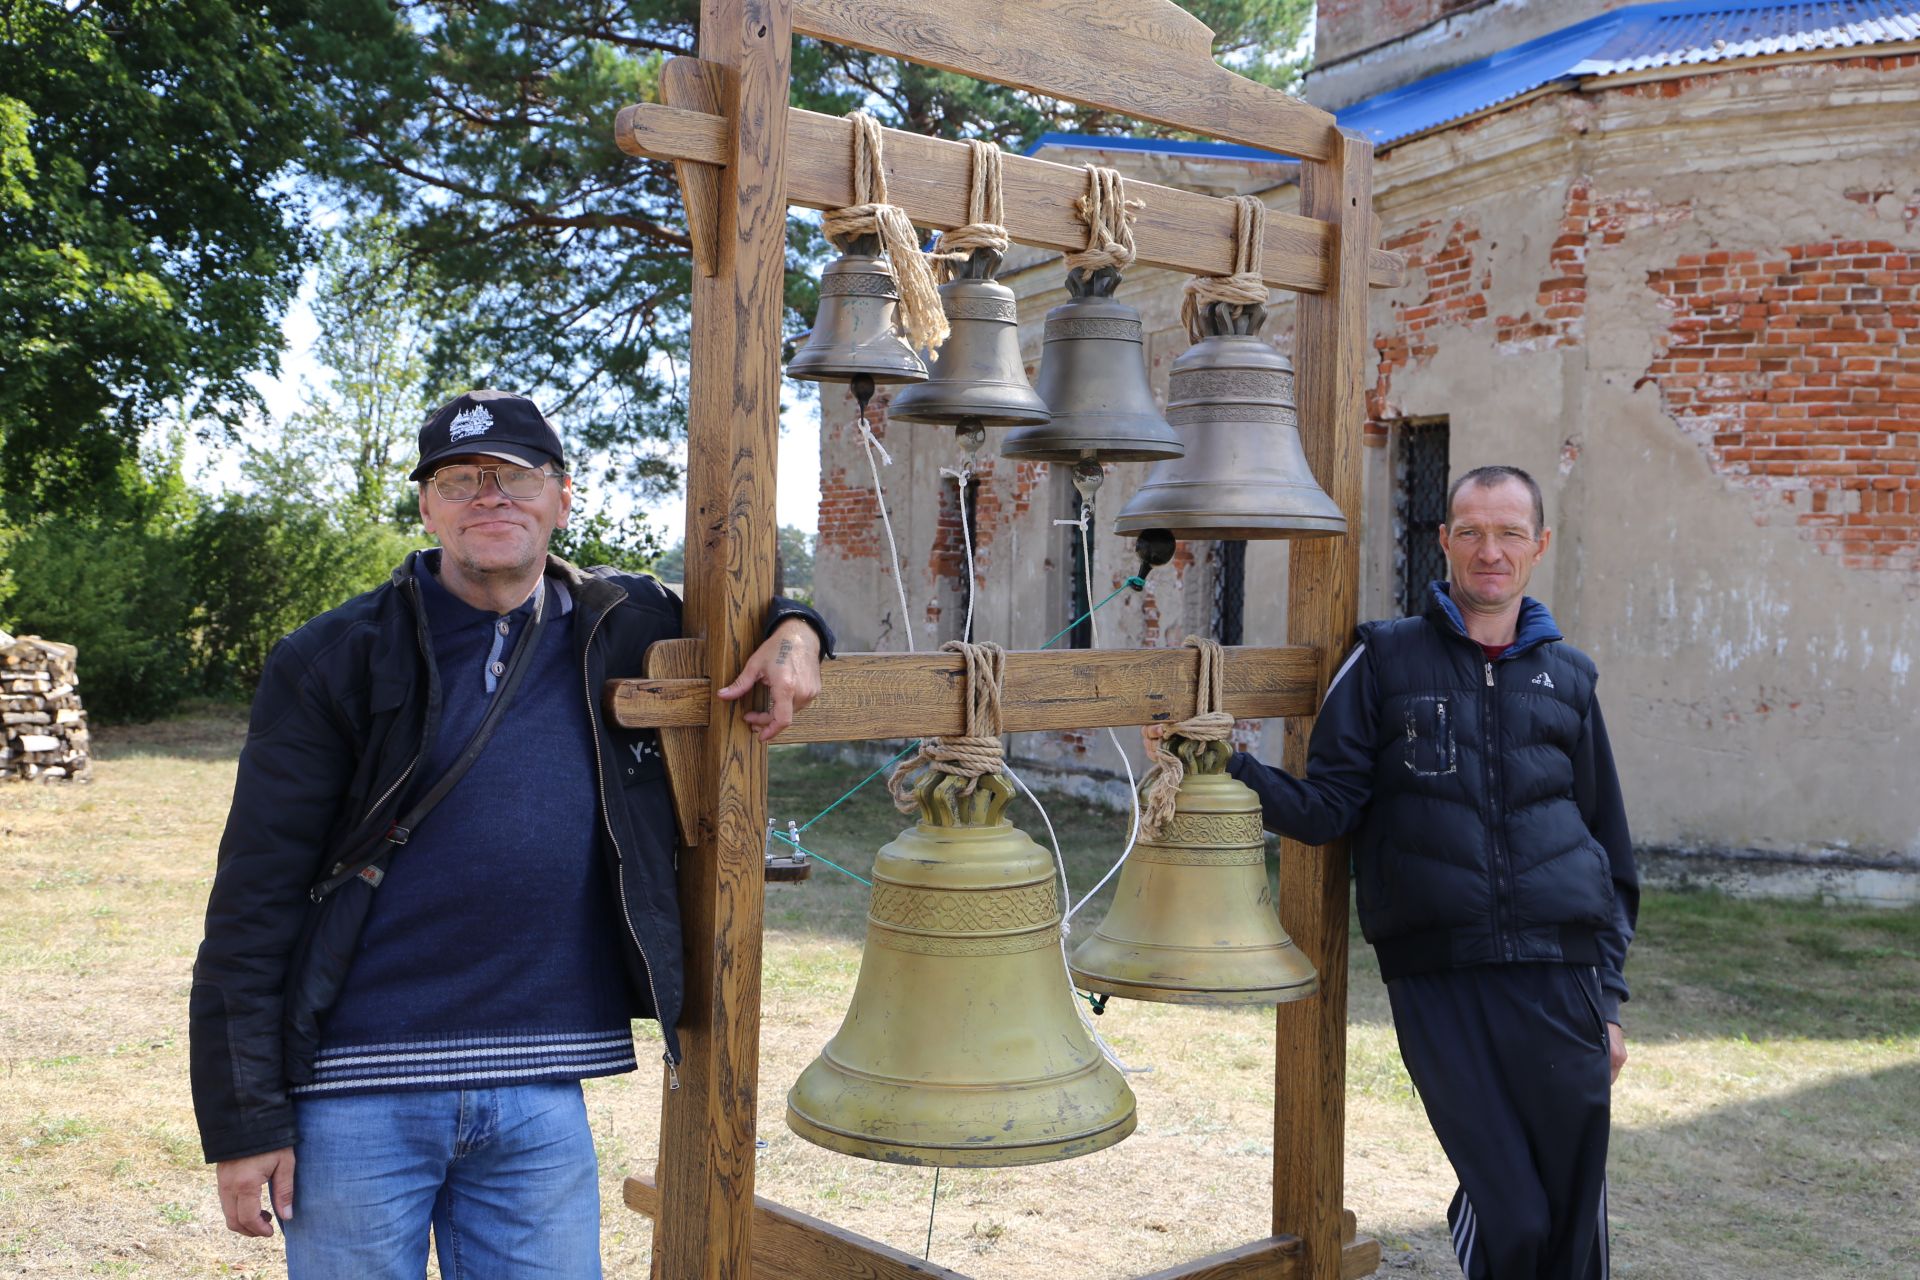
(1765, 1126)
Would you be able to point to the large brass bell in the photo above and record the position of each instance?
(1244, 475)
(1193, 918)
(1093, 377)
(962, 1046)
(977, 377)
(856, 332)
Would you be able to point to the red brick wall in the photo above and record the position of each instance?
(849, 515)
(1799, 370)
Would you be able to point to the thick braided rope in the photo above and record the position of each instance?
(1244, 287)
(985, 209)
(975, 753)
(1109, 216)
(870, 214)
(1209, 722)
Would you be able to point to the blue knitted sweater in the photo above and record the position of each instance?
(490, 954)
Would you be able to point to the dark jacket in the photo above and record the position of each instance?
(346, 706)
(1490, 825)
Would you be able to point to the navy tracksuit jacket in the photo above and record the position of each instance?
(1497, 886)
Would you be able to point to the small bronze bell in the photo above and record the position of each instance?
(1093, 376)
(1193, 918)
(977, 376)
(1245, 474)
(856, 331)
(962, 1046)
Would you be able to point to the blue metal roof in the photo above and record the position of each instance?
(1633, 39)
(1638, 38)
(1156, 146)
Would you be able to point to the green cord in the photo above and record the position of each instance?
(1135, 583)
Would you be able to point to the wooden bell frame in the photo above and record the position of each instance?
(730, 134)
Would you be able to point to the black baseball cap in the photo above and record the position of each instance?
(496, 423)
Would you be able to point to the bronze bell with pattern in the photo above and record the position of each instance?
(962, 1045)
(1193, 919)
(1244, 475)
(856, 331)
(1093, 377)
(976, 378)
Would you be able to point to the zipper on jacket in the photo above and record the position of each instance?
(606, 819)
(1497, 866)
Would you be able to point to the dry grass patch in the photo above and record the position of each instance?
(1763, 1128)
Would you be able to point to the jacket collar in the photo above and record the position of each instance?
(1534, 628)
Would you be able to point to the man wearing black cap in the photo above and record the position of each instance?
(447, 884)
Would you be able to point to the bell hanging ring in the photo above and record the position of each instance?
(962, 1045)
(856, 330)
(977, 377)
(1245, 474)
(1093, 377)
(1193, 918)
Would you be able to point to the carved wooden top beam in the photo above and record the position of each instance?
(904, 695)
(1149, 59)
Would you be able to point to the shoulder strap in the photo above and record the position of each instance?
(369, 865)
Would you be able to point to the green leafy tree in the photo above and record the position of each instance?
(351, 447)
(110, 577)
(672, 564)
(794, 550)
(147, 243)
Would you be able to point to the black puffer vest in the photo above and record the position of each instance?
(1473, 849)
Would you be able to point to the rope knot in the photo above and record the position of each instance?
(1210, 722)
(985, 209)
(1246, 287)
(975, 753)
(871, 215)
(1109, 215)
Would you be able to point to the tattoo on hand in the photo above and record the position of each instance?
(780, 659)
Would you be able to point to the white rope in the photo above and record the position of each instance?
(1059, 859)
(870, 443)
(963, 476)
(1133, 794)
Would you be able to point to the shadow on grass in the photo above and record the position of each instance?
(1814, 1182)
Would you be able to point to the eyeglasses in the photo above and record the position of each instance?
(462, 483)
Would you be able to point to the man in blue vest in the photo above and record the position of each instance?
(447, 884)
(1464, 751)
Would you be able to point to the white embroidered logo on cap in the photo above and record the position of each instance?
(470, 422)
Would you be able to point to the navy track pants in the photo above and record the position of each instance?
(1511, 1061)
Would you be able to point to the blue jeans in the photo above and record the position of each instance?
(506, 1178)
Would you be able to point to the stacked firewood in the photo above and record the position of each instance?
(45, 734)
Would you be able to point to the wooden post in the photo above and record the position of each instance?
(1309, 1109)
(707, 1123)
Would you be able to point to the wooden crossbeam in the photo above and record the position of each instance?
(904, 695)
(790, 1245)
(928, 177)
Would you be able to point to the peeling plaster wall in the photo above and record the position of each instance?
(1750, 590)
(1659, 285)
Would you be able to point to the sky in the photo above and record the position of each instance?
(797, 480)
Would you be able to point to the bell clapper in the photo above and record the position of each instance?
(970, 433)
(1155, 548)
(861, 384)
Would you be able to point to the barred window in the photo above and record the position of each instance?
(1230, 592)
(1419, 508)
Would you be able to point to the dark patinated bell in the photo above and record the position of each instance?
(856, 331)
(977, 376)
(1244, 475)
(1093, 377)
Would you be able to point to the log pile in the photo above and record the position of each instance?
(45, 730)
